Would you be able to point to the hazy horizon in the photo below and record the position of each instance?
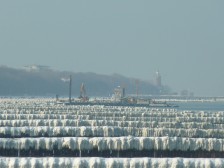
(182, 39)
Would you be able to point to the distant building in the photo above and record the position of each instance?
(184, 93)
(158, 80)
(119, 93)
(35, 68)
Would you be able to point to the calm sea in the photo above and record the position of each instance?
(203, 106)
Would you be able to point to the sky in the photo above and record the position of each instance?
(184, 40)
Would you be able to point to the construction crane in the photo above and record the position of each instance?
(83, 96)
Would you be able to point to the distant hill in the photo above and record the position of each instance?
(46, 82)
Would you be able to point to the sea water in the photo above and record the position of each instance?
(201, 106)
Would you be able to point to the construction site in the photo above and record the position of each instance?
(119, 98)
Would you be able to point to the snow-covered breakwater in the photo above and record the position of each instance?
(50, 162)
(107, 131)
(113, 123)
(122, 146)
(39, 127)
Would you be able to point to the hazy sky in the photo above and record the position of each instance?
(183, 39)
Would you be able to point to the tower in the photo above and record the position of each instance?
(158, 80)
(70, 88)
